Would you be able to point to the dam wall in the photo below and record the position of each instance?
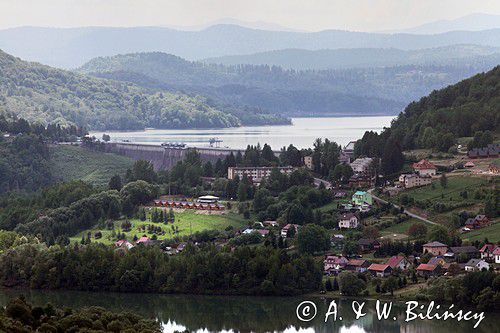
(162, 157)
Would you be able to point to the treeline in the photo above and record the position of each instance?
(477, 289)
(57, 224)
(204, 270)
(22, 317)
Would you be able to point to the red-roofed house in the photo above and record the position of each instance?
(425, 168)
(496, 253)
(427, 270)
(380, 270)
(144, 240)
(487, 251)
(398, 262)
(124, 244)
(334, 264)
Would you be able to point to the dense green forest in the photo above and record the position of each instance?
(291, 92)
(204, 270)
(459, 110)
(21, 317)
(43, 94)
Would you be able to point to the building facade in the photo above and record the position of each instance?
(255, 174)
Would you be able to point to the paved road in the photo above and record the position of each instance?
(405, 211)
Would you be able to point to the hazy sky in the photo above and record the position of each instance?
(361, 15)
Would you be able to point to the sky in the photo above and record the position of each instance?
(306, 15)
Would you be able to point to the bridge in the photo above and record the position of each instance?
(165, 157)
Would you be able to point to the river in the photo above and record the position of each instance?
(247, 314)
(301, 133)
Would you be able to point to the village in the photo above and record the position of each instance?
(380, 229)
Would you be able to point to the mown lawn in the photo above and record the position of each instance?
(402, 228)
(77, 163)
(186, 222)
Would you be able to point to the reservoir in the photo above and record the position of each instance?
(302, 133)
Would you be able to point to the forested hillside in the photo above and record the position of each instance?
(351, 91)
(460, 110)
(43, 94)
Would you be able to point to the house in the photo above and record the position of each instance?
(427, 270)
(334, 264)
(477, 222)
(380, 270)
(308, 162)
(344, 157)
(362, 165)
(123, 243)
(398, 262)
(367, 245)
(410, 180)
(496, 254)
(487, 251)
(435, 248)
(286, 228)
(270, 224)
(362, 198)
(337, 241)
(475, 265)
(361, 180)
(349, 149)
(208, 199)
(469, 164)
(494, 168)
(491, 150)
(358, 265)
(468, 251)
(425, 168)
(339, 193)
(263, 232)
(437, 261)
(348, 221)
(181, 247)
(144, 240)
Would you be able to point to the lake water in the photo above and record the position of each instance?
(247, 314)
(302, 133)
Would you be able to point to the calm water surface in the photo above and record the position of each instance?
(246, 314)
(301, 133)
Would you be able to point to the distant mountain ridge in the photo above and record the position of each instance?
(364, 57)
(472, 22)
(72, 47)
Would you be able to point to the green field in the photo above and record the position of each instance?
(402, 228)
(456, 184)
(491, 232)
(77, 163)
(186, 222)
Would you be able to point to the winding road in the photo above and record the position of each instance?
(405, 211)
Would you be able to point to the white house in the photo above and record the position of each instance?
(348, 221)
(496, 253)
(476, 265)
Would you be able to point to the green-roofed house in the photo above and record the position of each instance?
(361, 198)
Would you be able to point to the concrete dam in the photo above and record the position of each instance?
(164, 157)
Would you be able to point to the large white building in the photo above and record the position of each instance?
(362, 165)
(255, 174)
(414, 180)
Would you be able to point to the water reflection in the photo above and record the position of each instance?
(245, 314)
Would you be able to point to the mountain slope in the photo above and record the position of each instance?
(72, 47)
(41, 93)
(456, 111)
(325, 92)
(274, 89)
(356, 58)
